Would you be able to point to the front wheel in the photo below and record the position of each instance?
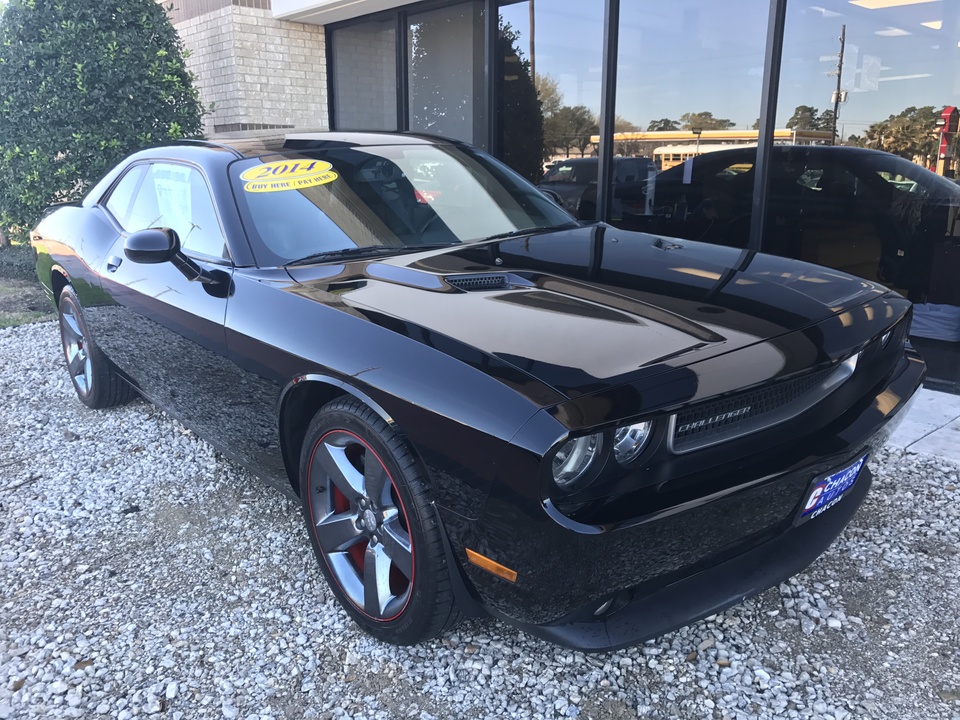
(94, 377)
(373, 527)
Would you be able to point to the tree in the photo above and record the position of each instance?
(704, 121)
(662, 124)
(82, 84)
(570, 127)
(910, 134)
(805, 117)
(625, 147)
(551, 99)
(825, 121)
(520, 108)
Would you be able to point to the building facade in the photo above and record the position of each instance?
(532, 79)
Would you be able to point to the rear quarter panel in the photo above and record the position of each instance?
(74, 241)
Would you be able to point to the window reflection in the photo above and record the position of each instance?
(688, 83)
(445, 72)
(898, 71)
(897, 223)
(549, 62)
(365, 76)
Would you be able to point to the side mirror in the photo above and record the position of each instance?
(152, 246)
(160, 245)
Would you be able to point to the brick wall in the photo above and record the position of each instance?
(259, 73)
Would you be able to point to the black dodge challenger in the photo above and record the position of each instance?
(482, 405)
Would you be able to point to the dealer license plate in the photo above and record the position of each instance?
(828, 491)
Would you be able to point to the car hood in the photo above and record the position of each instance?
(585, 309)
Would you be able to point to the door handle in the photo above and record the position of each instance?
(113, 262)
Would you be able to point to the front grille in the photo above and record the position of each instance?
(472, 283)
(715, 422)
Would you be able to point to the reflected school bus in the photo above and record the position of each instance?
(668, 156)
(681, 145)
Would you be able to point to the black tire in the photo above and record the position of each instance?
(94, 377)
(364, 501)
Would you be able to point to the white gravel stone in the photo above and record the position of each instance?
(143, 575)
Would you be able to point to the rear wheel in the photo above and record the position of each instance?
(372, 525)
(96, 380)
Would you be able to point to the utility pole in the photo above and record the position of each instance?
(533, 54)
(838, 93)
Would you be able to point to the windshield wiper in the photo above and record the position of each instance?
(533, 230)
(363, 252)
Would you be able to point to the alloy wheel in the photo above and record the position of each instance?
(361, 525)
(75, 347)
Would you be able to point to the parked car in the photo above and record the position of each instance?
(574, 182)
(482, 406)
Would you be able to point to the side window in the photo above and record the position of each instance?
(901, 182)
(121, 198)
(731, 172)
(177, 197)
(559, 173)
(836, 181)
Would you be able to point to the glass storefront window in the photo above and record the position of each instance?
(689, 78)
(886, 217)
(445, 72)
(365, 76)
(548, 70)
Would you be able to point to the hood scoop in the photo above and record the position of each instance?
(487, 281)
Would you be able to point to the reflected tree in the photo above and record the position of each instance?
(704, 121)
(520, 110)
(625, 147)
(570, 128)
(548, 90)
(910, 134)
(805, 117)
(662, 125)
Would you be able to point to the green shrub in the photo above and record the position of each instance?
(82, 84)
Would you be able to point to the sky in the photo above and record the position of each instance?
(679, 56)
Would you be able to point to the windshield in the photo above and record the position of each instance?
(304, 204)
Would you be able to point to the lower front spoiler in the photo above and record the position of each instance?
(707, 592)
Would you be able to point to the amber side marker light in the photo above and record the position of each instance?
(491, 567)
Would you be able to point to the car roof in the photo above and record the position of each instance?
(594, 160)
(199, 149)
(212, 154)
(747, 150)
(331, 139)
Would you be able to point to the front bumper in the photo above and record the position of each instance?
(671, 568)
(637, 615)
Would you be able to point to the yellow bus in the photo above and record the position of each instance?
(668, 156)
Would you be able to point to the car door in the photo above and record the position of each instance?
(165, 332)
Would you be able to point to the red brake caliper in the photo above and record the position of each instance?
(357, 551)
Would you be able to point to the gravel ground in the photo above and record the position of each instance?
(142, 575)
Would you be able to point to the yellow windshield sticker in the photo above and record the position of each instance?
(287, 175)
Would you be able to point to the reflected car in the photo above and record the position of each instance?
(482, 406)
(866, 212)
(574, 182)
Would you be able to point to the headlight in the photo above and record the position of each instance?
(572, 460)
(629, 440)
